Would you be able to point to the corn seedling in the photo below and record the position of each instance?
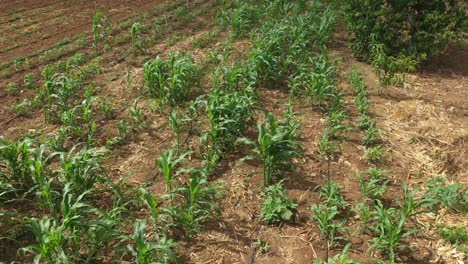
(152, 203)
(330, 192)
(228, 114)
(371, 136)
(364, 212)
(82, 169)
(138, 118)
(171, 80)
(198, 203)
(277, 207)
(177, 122)
(18, 155)
(101, 30)
(276, 146)
(390, 229)
(137, 43)
(321, 85)
(11, 89)
(107, 109)
(372, 188)
(25, 107)
(240, 18)
(376, 154)
(146, 252)
(440, 194)
(328, 224)
(328, 149)
(168, 163)
(29, 82)
(366, 122)
(49, 241)
(337, 128)
(341, 258)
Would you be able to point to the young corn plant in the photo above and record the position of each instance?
(228, 114)
(168, 164)
(82, 169)
(372, 188)
(371, 136)
(376, 154)
(177, 121)
(50, 241)
(198, 204)
(138, 118)
(341, 258)
(337, 127)
(239, 17)
(172, 80)
(330, 227)
(17, 157)
(329, 149)
(101, 30)
(277, 207)
(390, 229)
(147, 252)
(137, 43)
(330, 192)
(276, 146)
(321, 87)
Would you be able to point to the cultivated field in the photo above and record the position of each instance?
(209, 131)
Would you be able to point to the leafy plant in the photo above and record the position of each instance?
(342, 258)
(440, 194)
(277, 207)
(410, 33)
(82, 169)
(372, 188)
(29, 82)
(240, 17)
(456, 235)
(228, 114)
(11, 88)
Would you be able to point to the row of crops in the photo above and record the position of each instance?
(60, 204)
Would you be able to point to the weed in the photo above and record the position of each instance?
(440, 194)
(456, 235)
(277, 207)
